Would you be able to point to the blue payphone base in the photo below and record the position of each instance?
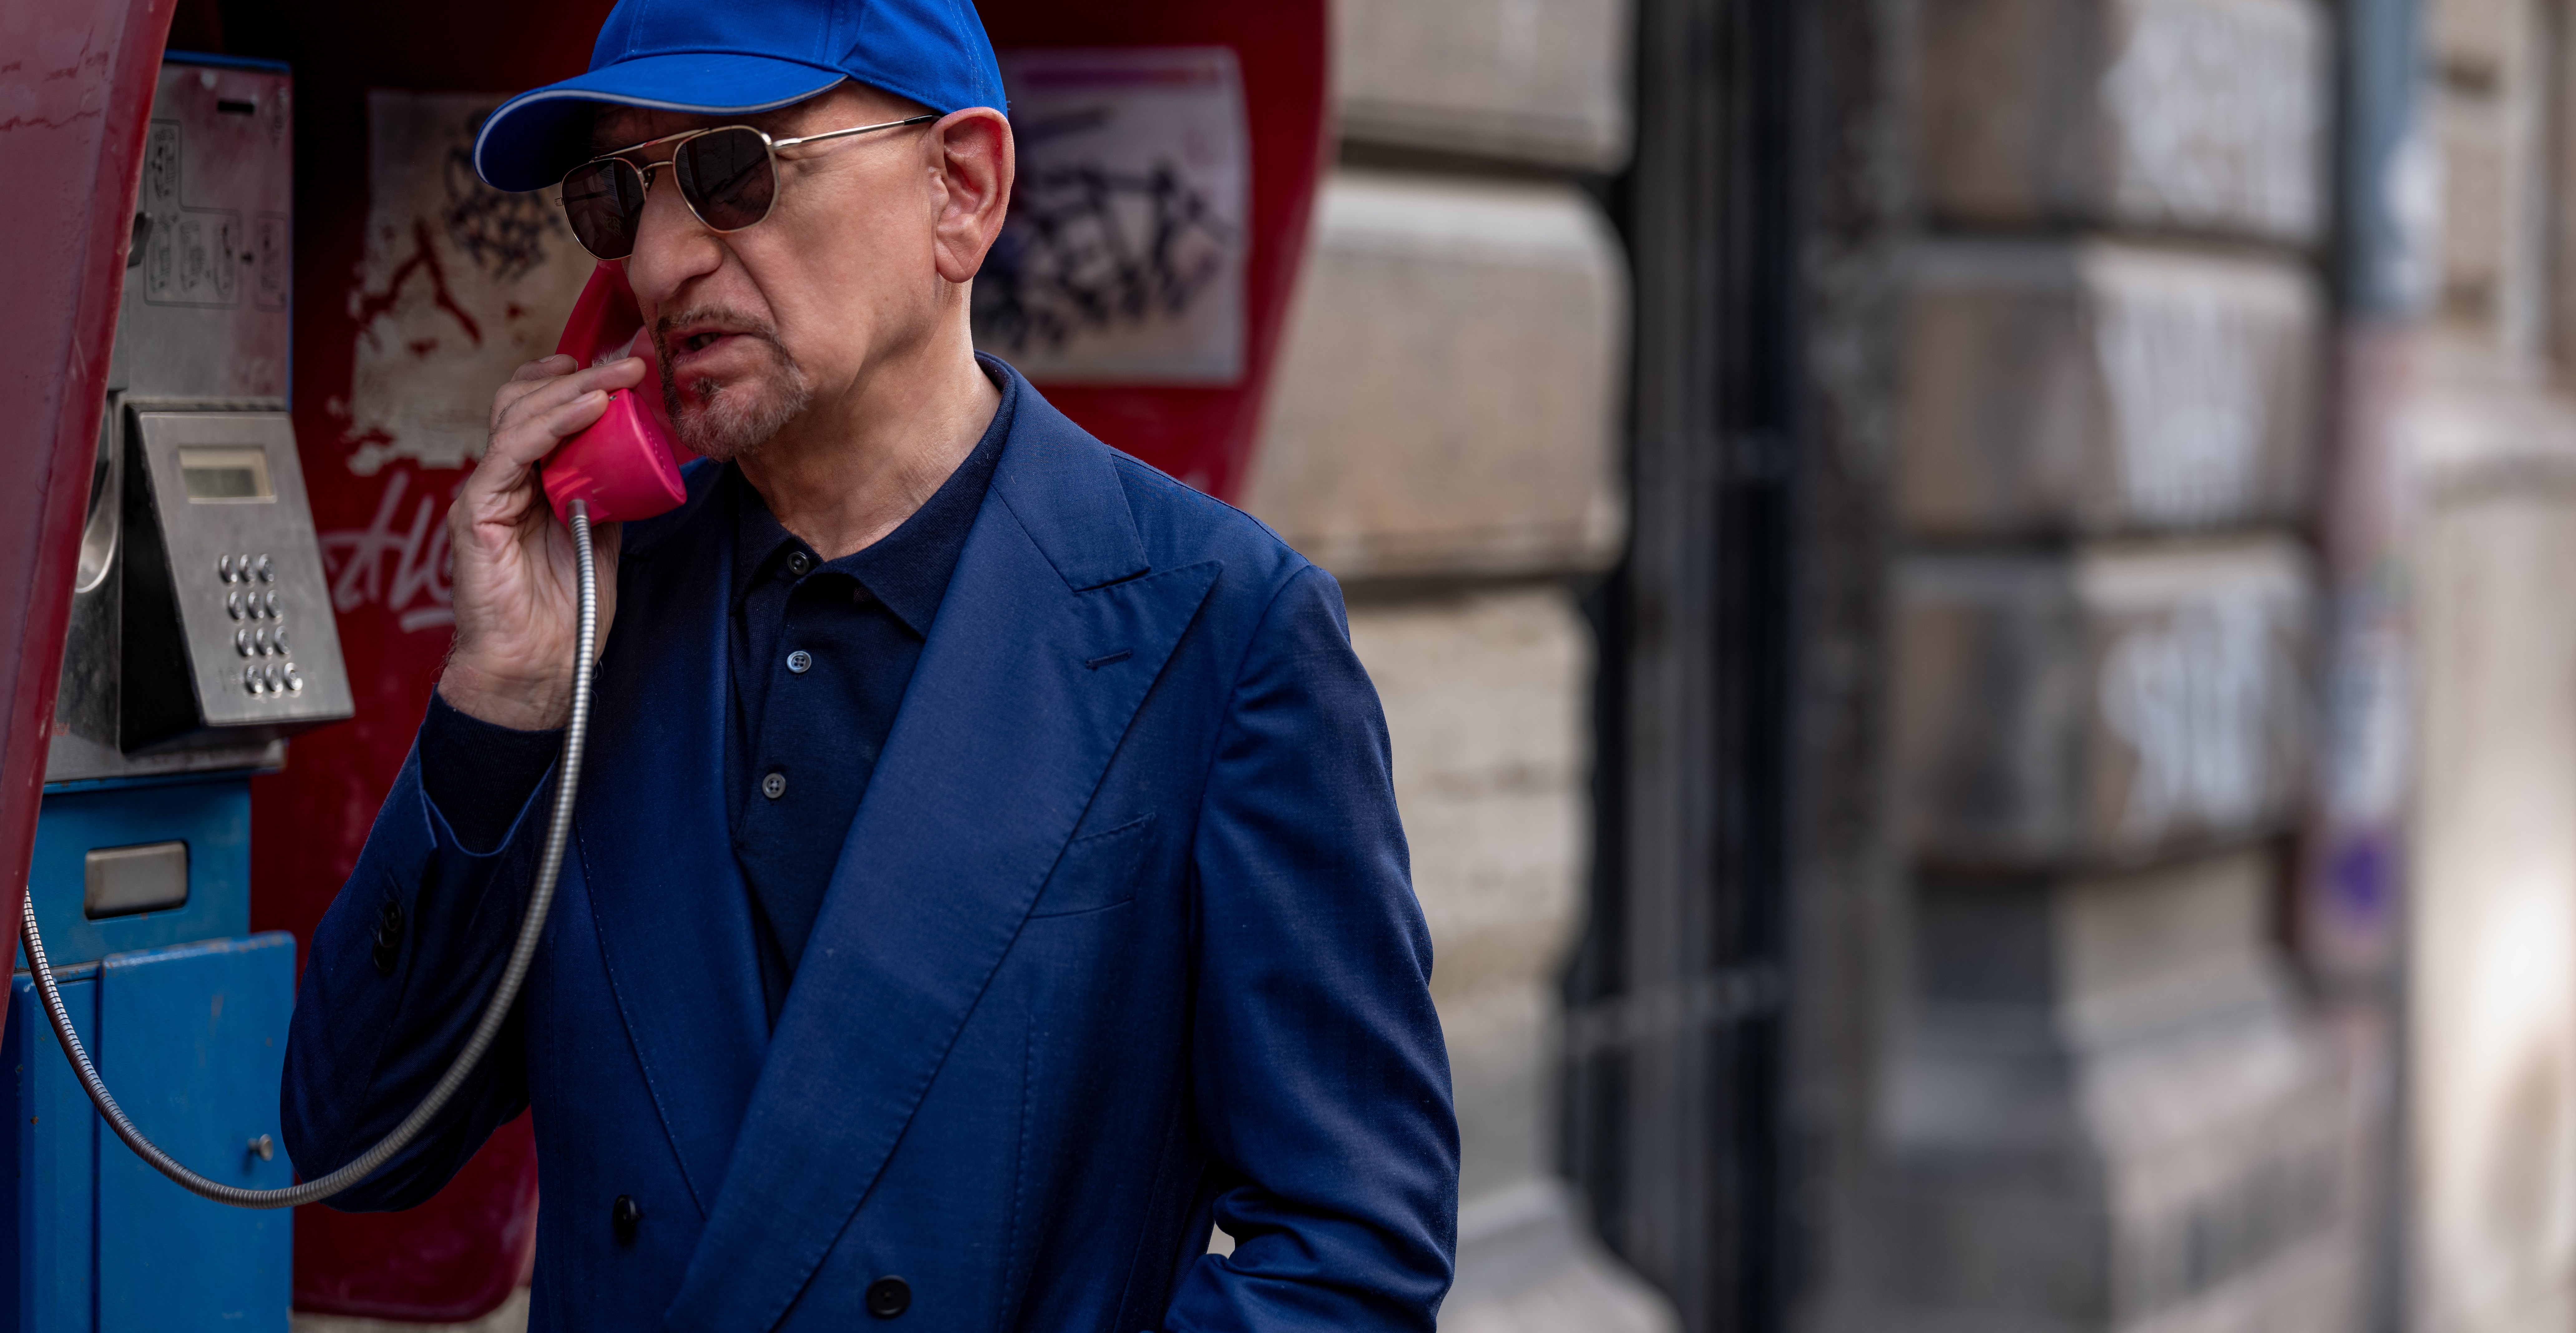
(185, 1013)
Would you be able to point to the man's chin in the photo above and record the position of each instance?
(733, 421)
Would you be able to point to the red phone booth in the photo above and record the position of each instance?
(1169, 159)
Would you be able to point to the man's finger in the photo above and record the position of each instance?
(547, 367)
(521, 401)
(536, 433)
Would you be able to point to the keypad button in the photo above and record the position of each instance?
(800, 661)
(774, 786)
(272, 603)
(294, 683)
(241, 641)
(251, 680)
(277, 638)
(224, 568)
(276, 678)
(233, 604)
(259, 641)
(267, 569)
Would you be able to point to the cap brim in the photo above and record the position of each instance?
(537, 136)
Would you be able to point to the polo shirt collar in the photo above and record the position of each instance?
(908, 568)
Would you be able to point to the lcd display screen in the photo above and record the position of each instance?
(215, 474)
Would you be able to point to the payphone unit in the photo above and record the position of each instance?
(201, 637)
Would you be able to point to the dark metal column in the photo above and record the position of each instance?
(1677, 1031)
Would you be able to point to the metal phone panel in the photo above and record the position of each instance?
(45, 1238)
(86, 743)
(211, 817)
(208, 283)
(205, 315)
(193, 1039)
(235, 586)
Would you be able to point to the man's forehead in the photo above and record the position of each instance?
(615, 127)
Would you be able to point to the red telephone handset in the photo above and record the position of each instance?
(627, 465)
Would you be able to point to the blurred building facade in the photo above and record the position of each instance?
(1986, 733)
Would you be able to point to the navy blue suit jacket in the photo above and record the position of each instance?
(1121, 942)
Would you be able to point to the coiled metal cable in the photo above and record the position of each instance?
(531, 925)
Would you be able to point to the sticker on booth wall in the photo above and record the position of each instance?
(459, 285)
(1123, 260)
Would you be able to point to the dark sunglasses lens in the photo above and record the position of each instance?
(604, 201)
(725, 176)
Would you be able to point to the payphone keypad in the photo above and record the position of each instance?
(244, 581)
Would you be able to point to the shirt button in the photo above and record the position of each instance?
(800, 661)
(774, 786)
(798, 563)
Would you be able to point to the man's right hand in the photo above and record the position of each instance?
(516, 583)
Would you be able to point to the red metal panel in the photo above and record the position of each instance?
(1207, 433)
(75, 94)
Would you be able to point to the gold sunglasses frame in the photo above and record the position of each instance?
(645, 170)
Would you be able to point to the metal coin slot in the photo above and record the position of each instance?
(121, 881)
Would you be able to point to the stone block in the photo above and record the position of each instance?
(1449, 398)
(2053, 1172)
(2476, 41)
(2109, 705)
(2052, 389)
(1487, 697)
(2098, 958)
(1542, 81)
(2479, 203)
(2199, 115)
(1527, 1263)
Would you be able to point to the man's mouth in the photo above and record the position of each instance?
(698, 345)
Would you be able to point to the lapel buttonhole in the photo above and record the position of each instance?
(1106, 659)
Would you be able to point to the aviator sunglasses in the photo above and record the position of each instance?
(728, 177)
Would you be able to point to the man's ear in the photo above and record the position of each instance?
(972, 164)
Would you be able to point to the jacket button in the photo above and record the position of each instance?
(389, 933)
(623, 1215)
(888, 1297)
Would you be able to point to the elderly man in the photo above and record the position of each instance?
(987, 876)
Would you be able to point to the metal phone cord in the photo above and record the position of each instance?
(532, 924)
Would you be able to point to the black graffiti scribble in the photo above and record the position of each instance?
(505, 234)
(1088, 249)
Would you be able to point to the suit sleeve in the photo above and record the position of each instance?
(401, 967)
(1322, 1081)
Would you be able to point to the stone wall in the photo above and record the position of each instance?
(2108, 1107)
(1443, 436)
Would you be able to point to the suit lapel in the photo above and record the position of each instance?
(673, 921)
(1004, 733)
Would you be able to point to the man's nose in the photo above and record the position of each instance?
(671, 246)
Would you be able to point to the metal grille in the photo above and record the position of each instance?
(1678, 999)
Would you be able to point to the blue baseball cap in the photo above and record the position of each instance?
(739, 57)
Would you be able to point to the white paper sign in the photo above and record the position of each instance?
(459, 286)
(1123, 261)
